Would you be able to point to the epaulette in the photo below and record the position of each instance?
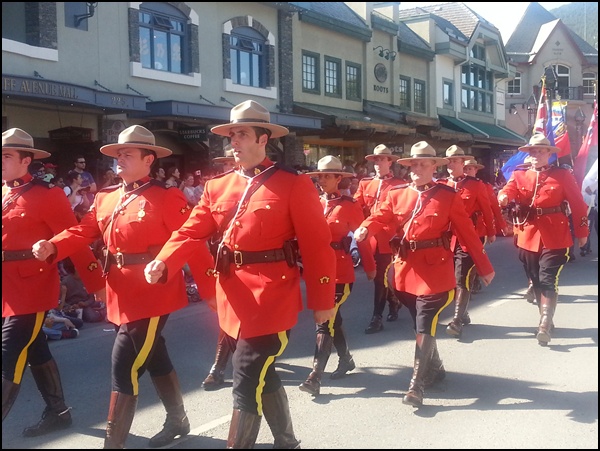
(286, 168)
(368, 178)
(348, 198)
(471, 177)
(40, 182)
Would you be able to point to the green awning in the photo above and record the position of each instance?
(481, 131)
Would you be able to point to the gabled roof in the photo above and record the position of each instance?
(534, 29)
(334, 15)
(451, 17)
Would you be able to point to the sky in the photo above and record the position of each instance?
(505, 16)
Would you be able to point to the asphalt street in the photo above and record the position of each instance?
(502, 389)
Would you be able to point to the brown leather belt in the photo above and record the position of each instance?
(121, 259)
(546, 211)
(248, 257)
(8, 256)
(423, 244)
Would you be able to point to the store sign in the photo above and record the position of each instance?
(111, 131)
(192, 134)
(71, 134)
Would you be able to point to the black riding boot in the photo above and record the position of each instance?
(177, 423)
(547, 309)
(346, 362)
(312, 384)
(276, 410)
(216, 376)
(56, 415)
(455, 326)
(423, 353)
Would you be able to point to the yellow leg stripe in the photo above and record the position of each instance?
(468, 278)
(338, 305)
(434, 323)
(559, 270)
(283, 339)
(386, 282)
(144, 352)
(22, 360)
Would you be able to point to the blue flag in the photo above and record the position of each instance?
(517, 159)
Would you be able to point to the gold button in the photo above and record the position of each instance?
(118, 249)
(283, 277)
(22, 214)
(237, 223)
(41, 269)
(236, 246)
(100, 219)
(117, 230)
(268, 207)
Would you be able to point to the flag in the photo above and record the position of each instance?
(541, 116)
(591, 139)
(557, 129)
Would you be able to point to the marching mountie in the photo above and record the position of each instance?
(423, 269)
(262, 211)
(343, 215)
(471, 167)
(32, 210)
(216, 376)
(541, 194)
(370, 194)
(134, 219)
(477, 204)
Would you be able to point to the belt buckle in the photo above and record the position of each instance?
(538, 211)
(237, 258)
(119, 260)
(412, 245)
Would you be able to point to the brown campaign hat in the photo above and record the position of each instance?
(331, 165)
(473, 162)
(251, 114)
(538, 141)
(382, 151)
(135, 136)
(17, 139)
(422, 151)
(227, 156)
(457, 152)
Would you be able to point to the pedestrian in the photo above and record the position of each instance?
(135, 219)
(477, 204)
(31, 211)
(343, 215)
(541, 194)
(262, 211)
(216, 376)
(423, 270)
(89, 184)
(370, 193)
(589, 191)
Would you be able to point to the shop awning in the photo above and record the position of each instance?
(483, 132)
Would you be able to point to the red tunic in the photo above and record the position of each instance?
(477, 203)
(430, 270)
(371, 192)
(344, 214)
(142, 226)
(499, 221)
(30, 286)
(261, 298)
(550, 186)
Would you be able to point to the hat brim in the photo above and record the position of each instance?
(328, 171)
(408, 161)
(528, 147)
(477, 165)
(112, 150)
(463, 157)
(223, 159)
(277, 131)
(37, 153)
(371, 157)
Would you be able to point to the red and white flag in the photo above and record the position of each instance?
(591, 139)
